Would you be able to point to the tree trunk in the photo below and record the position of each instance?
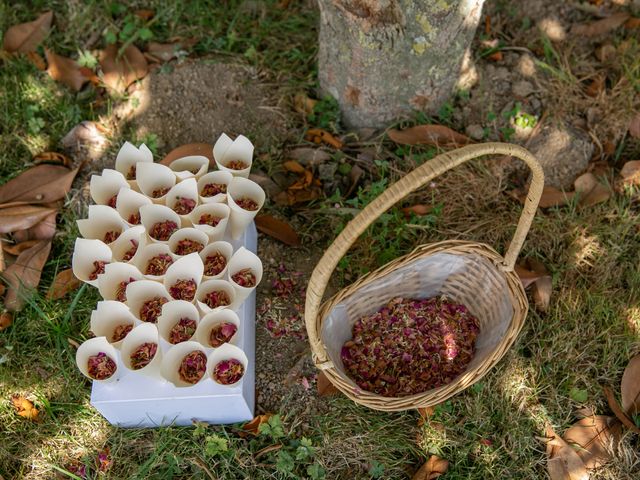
(381, 59)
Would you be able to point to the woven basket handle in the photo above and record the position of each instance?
(396, 192)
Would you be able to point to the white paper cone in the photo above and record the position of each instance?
(189, 267)
(186, 189)
(153, 214)
(154, 176)
(173, 358)
(129, 156)
(172, 313)
(193, 234)
(114, 274)
(220, 178)
(108, 316)
(130, 239)
(213, 319)
(240, 218)
(210, 286)
(103, 188)
(241, 260)
(185, 166)
(146, 253)
(143, 333)
(225, 248)
(240, 149)
(219, 210)
(85, 252)
(94, 346)
(142, 291)
(101, 219)
(226, 351)
(129, 203)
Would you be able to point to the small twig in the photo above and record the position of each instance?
(199, 463)
(270, 448)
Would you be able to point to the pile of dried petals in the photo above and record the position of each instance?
(111, 236)
(193, 367)
(182, 331)
(184, 205)
(98, 269)
(282, 312)
(222, 333)
(151, 309)
(247, 204)
(134, 218)
(217, 298)
(121, 331)
(410, 346)
(214, 264)
(213, 189)
(236, 165)
(100, 366)
(142, 356)
(159, 264)
(245, 278)
(128, 255)
(228, 372)
(187, 246)
(159, 192)
(209, 219)
(121, 291)
(183, 289)
(163, 230)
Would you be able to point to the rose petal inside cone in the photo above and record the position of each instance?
(182, 331)
(184, 205)
(159, 264)
(98, 269)
(101, 366)
(247, 203)
(152, 308)
(159, 192)
(228, 372)
(209, 219)
(222, 333)
(163, 230)
(121, 331)
(128, 255)
(217, 298)
(236, 165)
(111, 236)
(121, 291)
(193, 367)
(143, 354)
(184, 289)
(187, 246)
(245, 278)
(214, 264)
(213, 189)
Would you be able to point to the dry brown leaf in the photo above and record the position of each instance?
(432, 468)
(203, 149)
(293, 166)
(37, 61)
(44, 230)
(24, 407)
(541, 293)
(253, 427)
(145, 14)
(563, 463)
(596, 86)
(437, 135)
(591, 190)
(309, 156)
(277, 229)
(634, 126)
(552, 197)
(527, 277)
(418, 209)
(26, 37)
(630, 387)
(120, 72)
(325, 387)
(496, 56)
(64, 283)
(18, 248)
(6, 319)
(303, 104)
(601, 27)
(25, 273)
(632, 23)
(631, 173)
(65, 70)
(40, 184)
(318, 135)
(22, 217)
(54, 158)
(425, 413)
(163, 51)
(595, 438)
(618, 412)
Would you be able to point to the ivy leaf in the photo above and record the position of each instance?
(215, 445)
(285, 463)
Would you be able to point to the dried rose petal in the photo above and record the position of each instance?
(160, 192)
(111, 236)
(112, 201)
(236, 165)
(98, 269)
(142, 356)
(121, 331)
(228, 372)
(101, 366)
(128, 255)
(151, 309)
(187, 246)
(209, 219)
(159, 264)
(222, 333)
(184, 205)
(183, 290)
(217, 298)
(213, 189)
(121, 291)
(134, 218)
(245, 278)
(163, 230)
(214, 264)
(247, 204)
(282, 312)
(131, 174)
(182, 331)
(193, 367)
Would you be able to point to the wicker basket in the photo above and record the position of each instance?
(466, 272)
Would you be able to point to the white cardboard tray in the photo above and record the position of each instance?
(135, 400)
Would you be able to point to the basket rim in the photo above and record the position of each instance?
(466, 378)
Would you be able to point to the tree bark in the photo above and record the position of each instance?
(381, 59)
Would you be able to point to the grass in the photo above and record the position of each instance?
(581, 343)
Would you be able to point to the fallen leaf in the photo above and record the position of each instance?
(271, 448)
(40, 184)
(634, 126)
(24, 407)
(44, 230)
(591, 190)
(563, 463)
(73, 343)
(601, 27)
(54, 158)
(22, 217)
(633, 22)
(37, 61)
(293, 166)
(618, 412)
(163, 52)
(253, 427)
(277, 229)
(595, 437)
(103, 459)
(425, 413)
(203, 149)
(86, 141)
(325, 387)
(432, 468)
(630, 387)
(496, 56)
(527, 277)
(318, 135)
(631, 173)
(552, 197)
(355, 174)
(309, 157)
(25, 37)
(64, 283)
(437, 135)
(596, 86)
(18, 248)
(65, 70)
(144, 14)
(120, 72)
(541, 293)
(418, 209)
(25, 273)
(6, 319)
(303, 104)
